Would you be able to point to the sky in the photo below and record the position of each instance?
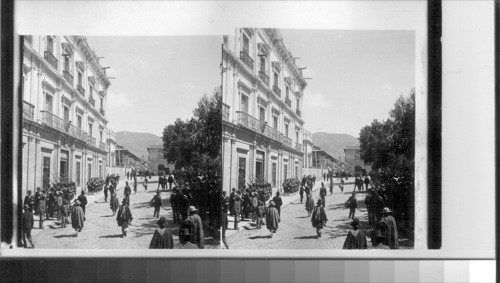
(356, 76)
(157, 78)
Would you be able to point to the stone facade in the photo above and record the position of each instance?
(353, 162)
(64, 131)
(263, 127)
(156, 160)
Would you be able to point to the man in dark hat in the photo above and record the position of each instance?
(162, 237)
(278, 202)
(124, 217)
(390, 230)
(83, 200)
(195, 218)
(356, 238)
(352, 204)
(65, 212)
(272, 218)
(156, 203)
(77, 217)
(309, 204)
(29, 200)
(319, 218)
(186, 237)
(27, 223)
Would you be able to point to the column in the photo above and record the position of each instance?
(56, 174)
(71, 160)
(233, 165)
(37, 181)
(251, 165)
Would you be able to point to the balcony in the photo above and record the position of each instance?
(248, 121)
(298, 112)
(102, 111)
(28, 110)
(80, 89)
(92, 101)
(288, 102)
(277, 90)
(273, 133)
(77, 133)
(225, 112)
(287, 141)
(53, 121)
(50, 58)
(91, 141)
(298, 147)
(68, 77)
(246, 59)
(102, 146)
(264, 77)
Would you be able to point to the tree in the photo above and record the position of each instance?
(390, 144)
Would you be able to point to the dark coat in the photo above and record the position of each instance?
(127, 191)
(27, 220)
(351, 202)
(162, 239)
(83, 200)
(322, 191)
(319, 218)
(77, 217)
(391, 231)
(355, 240)
(237, 206)
(30, 201)
(277, 200)
(124, 216)
(156, 201)
(200, 241)
(114, 203)
(310, 204)
(272, 218)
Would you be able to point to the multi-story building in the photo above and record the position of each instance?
(353, 163)
(263, 93)
(156, 160)
(64, 91)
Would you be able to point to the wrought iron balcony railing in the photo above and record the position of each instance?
(248, 121)
(288, 102)
(77, 133)
(80, 89)
(299, 112)
(28, 110)
(277, 90)
(225, 112)
(264, 77)
(50, 58)
(92, 101)
(287, 141)
(246, 59)
(68, 77)
(101, 110)
(273, 133)
(91, 141)
(298, 147)
(53, 121)
(102, 146)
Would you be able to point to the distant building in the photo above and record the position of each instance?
(125, 158)
(156, 160)
(322, 159)
(353, 161)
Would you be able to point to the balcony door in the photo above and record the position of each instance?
(286, 130)
(275, 122)
(246, 44)
(80, 79)
(90, 129)
(259, 166)
(244, 103)
(67, 60)
(242, 172)
(262, 115)
(46, 172)
(63, 166)
(79, 122)
(66, 114)
(50, 44)
(49, 102)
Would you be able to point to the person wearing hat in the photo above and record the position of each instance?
(124, 217)
(301, 192)
(390, 229)
(198, 231)
(186, 235)
(114, 203)
(278, 202)
(309, 204)
(77, 217)
(40, 200)
(255, 204)
(356, 238)
(29, 200)
(352, 204)
(106, 190)
(272, 218)
(319, 218)
(27, 223)
(322, 194)
(162, 237)
(156, 203)
(59, 204)
(83, 200)
(127, 191)
(65, 212)
(379, 240)
(260, 213)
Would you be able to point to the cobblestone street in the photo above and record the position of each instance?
(101, 230)
(295, 229)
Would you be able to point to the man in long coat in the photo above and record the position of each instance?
(278, 202)
(156, 203)
(391, 229)
(272, 218)
(83, 200)
(309, 204)
(77, 217)
(162, 237)
(322, 194)
(196, 219)
(356, 238)
(124, 217)
(127, 191)
(114, 203)
(319, 218)
(27, 222)
(29, 200)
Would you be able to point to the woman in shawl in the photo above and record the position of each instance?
(124, 217)
(162, 237)
(77, 217)
(272, 218)
(114, 203)
(356, 238)
(319, 218)
(309, 204)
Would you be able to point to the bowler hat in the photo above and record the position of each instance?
(386, 210)
(192, 209)
(319, 202)
(271, 203)
(161, 221)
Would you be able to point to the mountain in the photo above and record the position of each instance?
(334, 144)
(137, 143)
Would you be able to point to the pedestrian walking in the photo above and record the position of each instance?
(135, 185)
(145, 184)
(162, 237)
(319, 218)
(255, 204)
(124, 217)
(127, 191)
(198, 232)
(272, 218)
(236, 210)
(356, 238)
(41, 200)
(29, 200)
(341, 186)
(352, 204)
(77, 217)
(106, 190)
(278, 202)
(309, 204)
(156, 203)
(170, 181)
(65, 213)
(260, 213)
(367, 182)
(390, 230)
(322, 194)
(27, 223)
(301, 193)
(59, 203)
(83, 200)
(114, 203)
(331, 187)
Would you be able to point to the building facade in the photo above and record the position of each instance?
(353, 163)
(64, 131)
(156, 160)
(263, 127)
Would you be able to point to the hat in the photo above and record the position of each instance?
(77, 202)
(355, 222)
(319, 202)
(161, 221)
(386, 210)
(124, 200)
(271, 203)
(192, 209)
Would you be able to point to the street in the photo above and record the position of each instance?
(101, 230)
(295, 229)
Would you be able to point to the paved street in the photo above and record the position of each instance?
(101, 230)
(295, 229)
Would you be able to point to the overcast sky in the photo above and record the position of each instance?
(158, 78)
(356, 75)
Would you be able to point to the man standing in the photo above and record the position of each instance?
(309, 204)
(236, 210)
(114, 203)
(278, 202)
(319, 218)
(29, 201)
(27, 223)
(128, 175)
(322, 194)
(135, 185)
(352, 204)
(367, 182)
(170, 181)
(106, 189)
(195, 218)
(183, 204)
(65, 212)
(124, 217)
(41, 207)
(324, 176)
(83, 200)
(260, 212)
(331, 187)
(341, 185)
(156, 203)
(162, 237)
(272, 218)
(301, 193)
(391, 229)
(77, 217)
(174, 203)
